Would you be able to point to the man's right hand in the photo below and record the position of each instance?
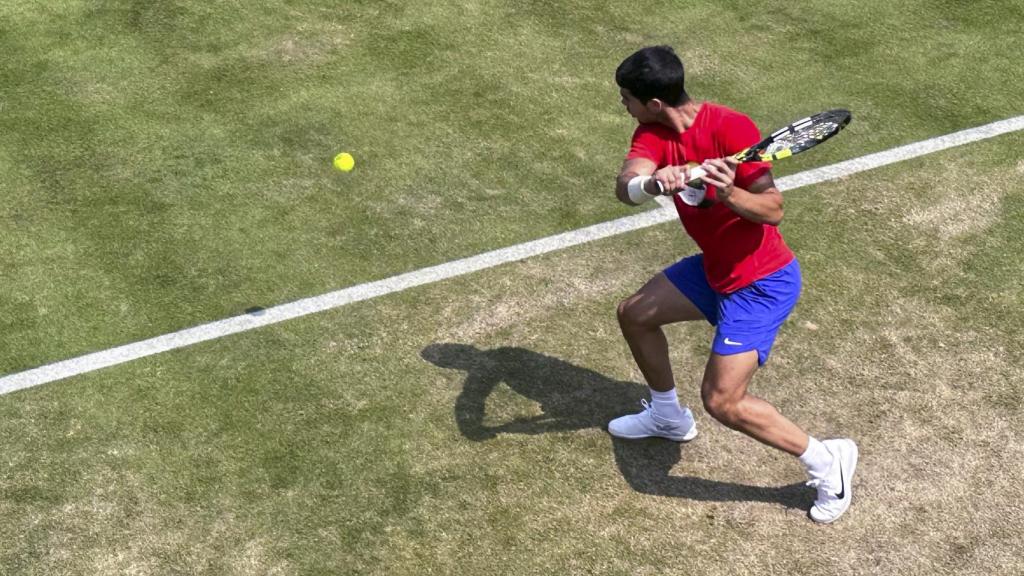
(672, 179)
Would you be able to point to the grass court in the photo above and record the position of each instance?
(168, 164)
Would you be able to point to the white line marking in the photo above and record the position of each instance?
(213, 330)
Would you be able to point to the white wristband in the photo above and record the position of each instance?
(636, 191)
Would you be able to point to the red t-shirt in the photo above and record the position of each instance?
(737, 252)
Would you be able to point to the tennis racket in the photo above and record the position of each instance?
(793, 139)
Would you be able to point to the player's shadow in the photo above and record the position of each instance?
(575, 398)
(570, 397)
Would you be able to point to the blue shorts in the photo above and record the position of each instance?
(747, 319)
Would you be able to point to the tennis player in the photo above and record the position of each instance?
(745, 281)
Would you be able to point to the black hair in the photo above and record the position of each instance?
(653, 72)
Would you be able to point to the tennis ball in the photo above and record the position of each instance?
(344, 162)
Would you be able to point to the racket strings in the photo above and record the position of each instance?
(804, 137)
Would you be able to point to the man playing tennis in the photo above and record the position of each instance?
(745, 282)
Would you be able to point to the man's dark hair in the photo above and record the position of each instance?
(653, 72)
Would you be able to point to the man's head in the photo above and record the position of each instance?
(649, 79)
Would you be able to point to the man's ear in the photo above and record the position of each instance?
(655, 106)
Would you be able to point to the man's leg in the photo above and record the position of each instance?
(724, 391)
(641, 317)
(830, 463)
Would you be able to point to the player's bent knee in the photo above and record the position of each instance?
(630, 313)
(722, 409)
(621, 310)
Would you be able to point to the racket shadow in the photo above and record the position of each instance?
(647, 465)
(575, 398)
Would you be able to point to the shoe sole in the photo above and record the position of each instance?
(848, 485)
(690, 435)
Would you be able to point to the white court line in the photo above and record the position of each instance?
(221, 328)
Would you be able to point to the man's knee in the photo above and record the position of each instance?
(722, 408)
(632, 313)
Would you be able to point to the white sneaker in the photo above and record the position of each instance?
(647, 424)
(835, 490)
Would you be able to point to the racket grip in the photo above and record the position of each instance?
(695, 173)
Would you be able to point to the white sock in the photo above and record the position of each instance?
(817, 459)
(666, 404)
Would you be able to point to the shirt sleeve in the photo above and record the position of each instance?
(740, 133)
(646, 144)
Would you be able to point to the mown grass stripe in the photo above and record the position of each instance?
(213, 330)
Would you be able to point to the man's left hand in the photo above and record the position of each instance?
(721, 172)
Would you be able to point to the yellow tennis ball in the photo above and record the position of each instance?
(344, 162)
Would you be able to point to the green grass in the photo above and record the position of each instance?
(166, 164)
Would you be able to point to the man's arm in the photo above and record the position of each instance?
(761, 202)
(631, 169)
(666, 181)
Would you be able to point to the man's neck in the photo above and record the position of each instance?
(681, 117)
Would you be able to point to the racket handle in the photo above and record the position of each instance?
(695, 173)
